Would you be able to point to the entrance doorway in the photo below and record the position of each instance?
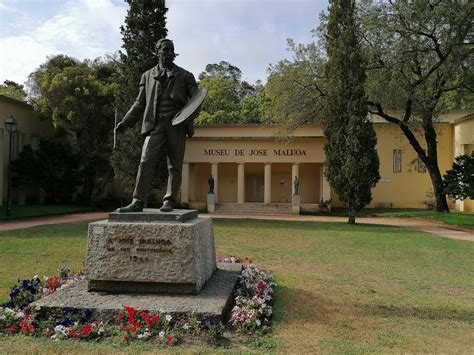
(254, 182)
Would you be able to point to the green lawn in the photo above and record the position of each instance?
(341, 289)
(453, 218)
(25, 211)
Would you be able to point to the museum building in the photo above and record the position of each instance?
(254, 169)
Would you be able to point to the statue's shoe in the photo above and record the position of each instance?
(167, 206)
(135, 206)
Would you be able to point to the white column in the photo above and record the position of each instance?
(268, 184)
(295, 171)
(240, 183)
(324, 188)
(185, 183)
(216, 180)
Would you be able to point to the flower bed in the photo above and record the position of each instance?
(252, 313)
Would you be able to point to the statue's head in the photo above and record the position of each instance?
(165, 50)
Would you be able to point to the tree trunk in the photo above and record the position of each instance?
(352, 216)
(430, 159)
(438, 187)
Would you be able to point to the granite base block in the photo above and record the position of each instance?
(175, 257)
(214, 300)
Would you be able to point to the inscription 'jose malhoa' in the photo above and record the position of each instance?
(139, 249)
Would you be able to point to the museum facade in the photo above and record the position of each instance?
(251, 164)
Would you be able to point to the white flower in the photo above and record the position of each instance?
(38, 307)
(168, 318)
(36, 277)
(3, 317)
(19, 315)
(257, 322)
(161, 334)
(186, 326)
(60, 329)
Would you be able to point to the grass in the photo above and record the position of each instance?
(341, 289)
(453, 218)
(26, 211)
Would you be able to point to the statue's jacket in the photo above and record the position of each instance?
(182, 86)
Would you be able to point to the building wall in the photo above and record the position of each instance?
(256, 146)
(29, 130)
(463, 143)
(410, 187)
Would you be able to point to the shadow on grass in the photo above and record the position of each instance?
(419, 312)
(293, 304)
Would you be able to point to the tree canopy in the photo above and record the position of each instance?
(14, 90)
(230, 100)
(78, 97)
(352, 164)
(420, 57)
(459, 181)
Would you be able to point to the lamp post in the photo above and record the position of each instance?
(10, 126)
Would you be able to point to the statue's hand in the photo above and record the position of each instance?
(190, 129)
(121, 127)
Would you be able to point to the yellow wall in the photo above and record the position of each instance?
(29, 126)
(464, 144)
(257, 145)
(409, 187)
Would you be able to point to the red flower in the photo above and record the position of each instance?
(246, 258)
(119, 317)
(11, 328)
(155, 319)
(170, 339)
(87, 329)
(125, 338)
(31, 328)
(250, 261)
(76, 334)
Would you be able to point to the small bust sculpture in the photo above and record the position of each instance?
(210, 181)
(296, 185)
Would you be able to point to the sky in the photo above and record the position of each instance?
(250, 34)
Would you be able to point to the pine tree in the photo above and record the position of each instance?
(144, 26)
(351, 160)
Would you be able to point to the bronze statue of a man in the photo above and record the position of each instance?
(164, 90)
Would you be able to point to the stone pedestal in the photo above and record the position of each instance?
(150, 252)
(211, 203)
(296, 204)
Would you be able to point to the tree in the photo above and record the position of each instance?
(53, 167)
(78, 98)
(229, 100)
(459, 181)
(144, 26)
(351, 160)
(14, 90)
(295, 93)
(420, 58)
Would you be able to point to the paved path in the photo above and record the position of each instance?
(418, 224)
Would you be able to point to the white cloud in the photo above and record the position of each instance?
(249, 34)
(80, 28)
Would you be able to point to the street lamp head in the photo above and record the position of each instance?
(11, 123)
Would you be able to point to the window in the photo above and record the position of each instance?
(397, 160)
